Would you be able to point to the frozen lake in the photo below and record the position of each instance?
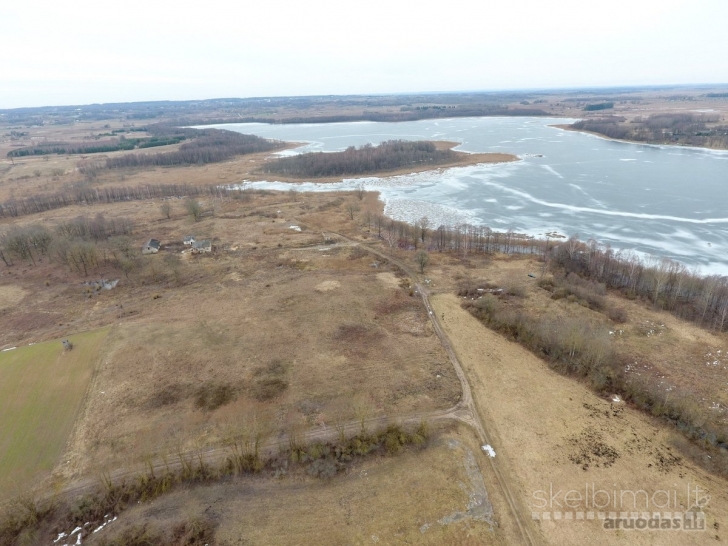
(661, 200)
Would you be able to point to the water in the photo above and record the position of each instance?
(659, 200)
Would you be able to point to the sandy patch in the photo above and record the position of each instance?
(389, 279)
(327, 286)
(10, 296)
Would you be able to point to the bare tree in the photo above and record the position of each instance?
(423, 225)
(166, 209)
(351, 209)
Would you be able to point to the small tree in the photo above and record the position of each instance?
(166, 209)
(351, 209)
(293, 194)
(422, 259)
(360, 191)
(194, 208)
(423, 225)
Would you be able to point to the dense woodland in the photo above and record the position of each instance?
(686, 129)
(204, 146)
(387, 156)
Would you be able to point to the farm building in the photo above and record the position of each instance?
(152, 246)
(199, 247)
(188, 240)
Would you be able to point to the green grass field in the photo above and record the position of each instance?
(42, 388)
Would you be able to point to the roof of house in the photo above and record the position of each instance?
(202, 243)
(153, 243)
(188, 238)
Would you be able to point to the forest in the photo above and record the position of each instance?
(685, 129)
(204, 146)
(387, 156)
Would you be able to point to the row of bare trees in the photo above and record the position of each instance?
(666, 283)
(462, 238)
(108, 194)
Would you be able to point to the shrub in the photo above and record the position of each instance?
(168, 395)
(617, 314)
(268, 388)
(212, 396)
(547, 283)
(516, 290)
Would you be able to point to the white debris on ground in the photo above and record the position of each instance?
(79, 530)
(489, 450)
(8, 349)
(296, 228)
(616, 399)
(104, 524)
(101, 284)
(714, 359)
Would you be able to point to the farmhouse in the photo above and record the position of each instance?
(199, 247)
(151, 246)
(188, 240)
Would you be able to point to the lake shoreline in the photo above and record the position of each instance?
(642, 142)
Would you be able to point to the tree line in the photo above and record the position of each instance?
(108, 194)
(96, 147)
(686, 129)
(206, 146)
(664, 283)
(462, 238)
(667, 284)
(406, 113)
(387, 156)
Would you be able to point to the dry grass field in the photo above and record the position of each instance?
(549, 427)
(43, 388)
(440, 495)
(554, 430)
(280, 326)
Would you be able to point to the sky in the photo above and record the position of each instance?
(80, 52)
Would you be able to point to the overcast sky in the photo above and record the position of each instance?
(79, 51)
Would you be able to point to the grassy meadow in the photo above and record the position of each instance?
(42, 388)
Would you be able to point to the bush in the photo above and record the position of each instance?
(547, 283)
(212, 396)
(516, 290)
(617, 314)
(268, 388)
